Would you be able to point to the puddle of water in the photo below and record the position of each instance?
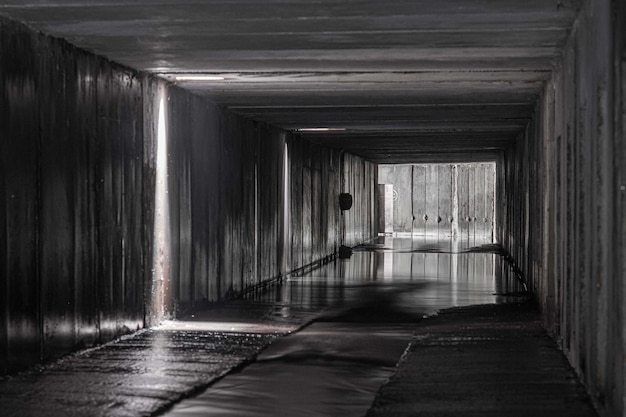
(425, 271)
(365, 310)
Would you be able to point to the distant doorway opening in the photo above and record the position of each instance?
(438, 200)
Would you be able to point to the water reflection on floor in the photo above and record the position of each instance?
(364, 311)
(421, 274)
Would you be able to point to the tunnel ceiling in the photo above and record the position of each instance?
(396, 80)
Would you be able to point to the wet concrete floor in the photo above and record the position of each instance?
(321, 344)
(368, 309)
(488, 360)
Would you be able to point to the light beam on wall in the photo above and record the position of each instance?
(199, 78)
(286, 211)
(161, 246)
(320, 129)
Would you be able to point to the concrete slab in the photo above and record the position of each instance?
(382, 71)
(491, 360)
(134, 376)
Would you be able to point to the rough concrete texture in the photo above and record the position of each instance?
(144, 373)
(492, 360)
(480, 360)
(359, 179)
(564, 192)
(72, 188)
(434, 79)
(538, 84)
(134, 376)
(249, 203)
(107, 225)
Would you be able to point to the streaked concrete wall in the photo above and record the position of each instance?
(81, 196)
(228, 208)
(359, 179)
(72, 187)
(317, 225)
(563, 215)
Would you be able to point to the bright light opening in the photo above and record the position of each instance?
(440, 200)
(161, 246)
(199, 78)
(321, 129)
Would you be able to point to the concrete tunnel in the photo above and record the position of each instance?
(158, 156)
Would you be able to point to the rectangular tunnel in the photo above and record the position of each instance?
(98, 239)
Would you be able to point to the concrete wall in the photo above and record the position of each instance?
(72, 187)
(563, 215)
(359, 179)
(224, 197)
(105, 228)
(315, 179)
(233, 224)
(442, 200)
(318, 226)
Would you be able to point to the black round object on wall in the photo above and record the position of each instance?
(345, 201)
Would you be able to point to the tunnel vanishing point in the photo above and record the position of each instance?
(159, 155)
